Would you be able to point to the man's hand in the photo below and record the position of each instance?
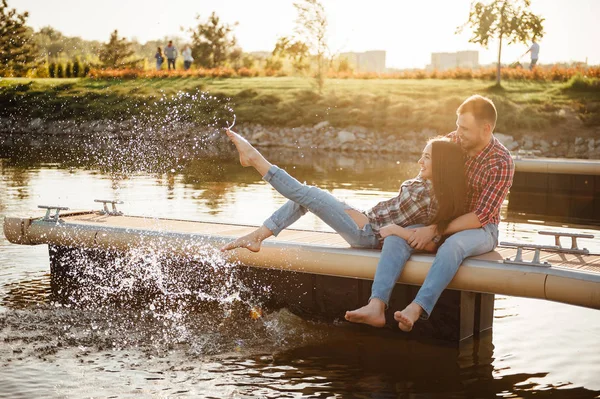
(422, 236)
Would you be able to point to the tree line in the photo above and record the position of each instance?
(212, 41)
(49, 53)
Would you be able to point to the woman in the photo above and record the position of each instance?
(187, 57)
(159, 58)
(436, 195)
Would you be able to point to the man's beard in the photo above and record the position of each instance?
(466, 145)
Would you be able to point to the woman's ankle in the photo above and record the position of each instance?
(262, 233)
(377, 304)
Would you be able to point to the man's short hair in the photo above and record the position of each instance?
(482, 108)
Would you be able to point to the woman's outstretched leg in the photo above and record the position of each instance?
(249, 156)
(347, 222)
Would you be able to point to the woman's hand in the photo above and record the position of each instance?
(388, 230)
(395, 230)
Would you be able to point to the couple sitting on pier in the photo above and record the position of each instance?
(469, 171)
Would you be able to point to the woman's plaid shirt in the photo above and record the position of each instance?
(414, 204)
(489, 177)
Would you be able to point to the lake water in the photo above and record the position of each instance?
(536, 349)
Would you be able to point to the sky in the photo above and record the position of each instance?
(409, 31)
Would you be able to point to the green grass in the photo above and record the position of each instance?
(390, 106)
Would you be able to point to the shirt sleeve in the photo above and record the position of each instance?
(499, 181)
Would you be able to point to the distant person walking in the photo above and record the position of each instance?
(187, 57)
(171, 53)
(159, 58)
(535, 52)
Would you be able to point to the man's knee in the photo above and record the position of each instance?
(467, 243)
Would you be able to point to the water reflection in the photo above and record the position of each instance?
(538, 348)
(278, 356)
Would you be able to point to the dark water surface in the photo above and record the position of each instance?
(225, 347)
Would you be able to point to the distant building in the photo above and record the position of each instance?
(369, 61)
(460, 59)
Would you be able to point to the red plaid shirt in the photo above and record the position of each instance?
(414, 204)
(489, 177)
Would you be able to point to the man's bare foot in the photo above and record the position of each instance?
(408, 317)
(248, 154)
(371, 314)
(250, 241)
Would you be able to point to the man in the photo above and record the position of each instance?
(535, 52)
(171, 54)
(489, 172)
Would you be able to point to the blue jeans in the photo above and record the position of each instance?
(170, 61)
(450, 255)
(158, 65)
(303, 198)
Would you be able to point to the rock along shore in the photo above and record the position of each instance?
(323, 136)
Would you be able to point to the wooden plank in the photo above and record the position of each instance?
(567, 260)
(332, 239)
(294, 235)
(323, 237)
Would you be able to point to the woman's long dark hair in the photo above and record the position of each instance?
(449, 182)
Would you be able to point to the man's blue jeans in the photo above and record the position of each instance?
(304, 198)
(450, 255)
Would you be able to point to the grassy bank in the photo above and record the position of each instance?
(391, 106)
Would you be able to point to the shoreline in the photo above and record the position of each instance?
(322, 136)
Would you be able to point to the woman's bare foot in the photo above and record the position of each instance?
(249, 156)
(372, 314)
(408, 317)
(250, 241)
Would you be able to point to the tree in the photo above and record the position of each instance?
(273, 65)
(236, 58)
(296, 51)
(50, 41)
(311, 26)
(344, 65)
(18, 52)
(508, 20)
(55, 45)
(114, 53)
(248, 61)
(212, 42)
(76, 67)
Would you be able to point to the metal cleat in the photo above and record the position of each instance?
(518, 260)
(52, 218)
(106, 211)
(574, 236)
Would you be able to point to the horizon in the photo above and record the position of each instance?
(569, 30)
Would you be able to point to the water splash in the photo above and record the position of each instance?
(150, 300)
(148, 136)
